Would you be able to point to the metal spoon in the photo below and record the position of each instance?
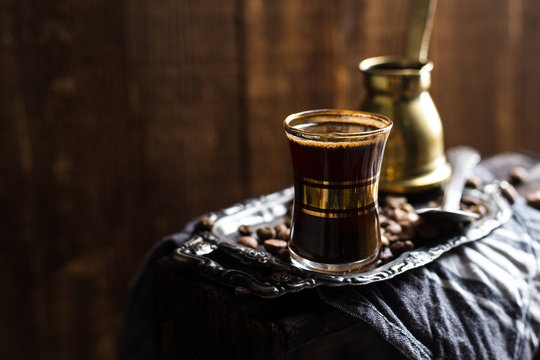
(419, 32)
(463, 159)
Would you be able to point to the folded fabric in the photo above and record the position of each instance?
(479, 301)
(138, 339)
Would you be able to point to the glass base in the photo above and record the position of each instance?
(341, 269)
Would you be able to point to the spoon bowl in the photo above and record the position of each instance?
(462, 159)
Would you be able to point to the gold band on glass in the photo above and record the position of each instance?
(337, 199)
(333, 215)
(339, 183)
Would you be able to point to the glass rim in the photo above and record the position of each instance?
(337, 114)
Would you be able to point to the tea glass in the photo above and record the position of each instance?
(336, 157)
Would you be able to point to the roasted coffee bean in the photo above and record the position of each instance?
(206, 223)
(248, 241)
(246, 230)
(392, 237)
(400, 214)
(284, 255)
(508, 191)
(474, 183)
(242, 292)
(533, 199)
(384, 221)
(413, 217)
(283, 233)
(390, 213)
(518, 175)
(274, 245)
(393, 227)
(399, 247)
(407, 207)
(385, 241)
(404, 223)
(280, 227)
(470, 201)
(266, 233)
(480, 210)
(386, 256)
(384, 212)
(394, 201)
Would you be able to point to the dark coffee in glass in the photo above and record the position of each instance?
(336, 156)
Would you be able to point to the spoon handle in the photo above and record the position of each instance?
(463, 159)
(419, 32)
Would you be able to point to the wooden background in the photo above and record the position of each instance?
(122, 120)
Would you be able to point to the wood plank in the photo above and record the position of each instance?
(469, 39)
(183, 80)
(526, 121)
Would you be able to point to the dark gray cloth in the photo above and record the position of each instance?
(479, 301)
(138, 339)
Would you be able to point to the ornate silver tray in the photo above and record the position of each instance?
(217, 256)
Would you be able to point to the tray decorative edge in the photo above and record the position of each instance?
(268, 276)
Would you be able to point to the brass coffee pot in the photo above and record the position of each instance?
(414, 158)
(398, 87)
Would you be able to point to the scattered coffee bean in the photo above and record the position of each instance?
(470, 201)
(413, 217)
(399, 247)
(385, 241)
(400, 214)
(280, 227)
(266, 233)
(384, 221)
(284, 255)
(246, 230)
(533, 199)
(206, 223)
(248, 241)
(386, 255)
(518, 175)
(474, 183)
(407, 207)
(480, 210)
(283, 234)
(508, 191)
(273, 246)
(392, 237)
(394, 201)
(393, 227)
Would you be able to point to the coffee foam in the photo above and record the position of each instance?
(342, 140)
(329, 144)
